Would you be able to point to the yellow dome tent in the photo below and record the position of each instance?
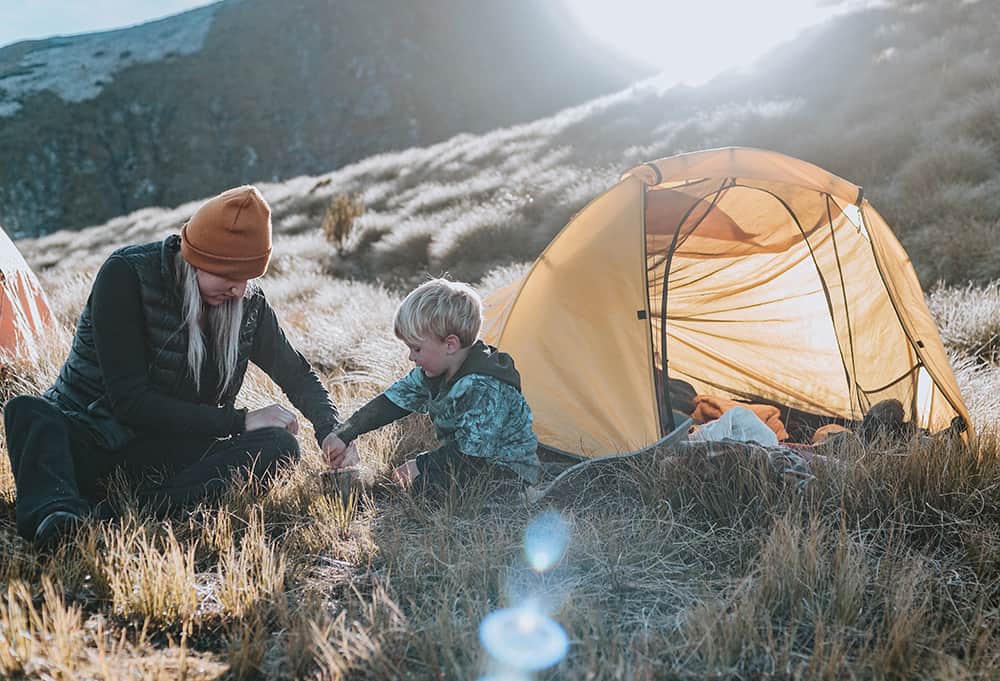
(783, 286)
(24, 309)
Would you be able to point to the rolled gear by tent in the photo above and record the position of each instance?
(757, 276)
(24, 309)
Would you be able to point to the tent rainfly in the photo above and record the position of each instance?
(749, 274)
(24, 309)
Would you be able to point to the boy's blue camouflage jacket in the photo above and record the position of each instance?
(480, 411)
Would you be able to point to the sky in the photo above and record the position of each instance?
(32, 19)
(700, 38)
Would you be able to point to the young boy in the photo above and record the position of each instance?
(471, 391)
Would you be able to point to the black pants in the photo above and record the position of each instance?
(58, 466)
(441, 467)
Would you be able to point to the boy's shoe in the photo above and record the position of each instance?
(54, 528)
(104, 510)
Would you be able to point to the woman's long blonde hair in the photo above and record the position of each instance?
(220, 323)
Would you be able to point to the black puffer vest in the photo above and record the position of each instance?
(80, 391)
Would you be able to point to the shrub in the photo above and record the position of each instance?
(339, 219)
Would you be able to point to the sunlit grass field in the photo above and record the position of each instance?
(885, 566)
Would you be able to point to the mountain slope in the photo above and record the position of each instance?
(99, 125)
(882, 97)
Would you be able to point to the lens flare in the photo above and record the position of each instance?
(545, 540)
(523, 638)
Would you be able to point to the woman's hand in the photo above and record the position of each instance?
(336, 454)
(272, 416)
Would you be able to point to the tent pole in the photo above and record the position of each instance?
(664, 374)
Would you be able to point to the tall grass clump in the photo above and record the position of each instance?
(978, 382)
(338, 221)
(968, 318)
(45, 640)
(251, 575)
(151, 575)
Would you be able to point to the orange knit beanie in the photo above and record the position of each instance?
(230, 234)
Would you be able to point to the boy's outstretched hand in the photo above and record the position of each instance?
(405, 473)
(337, 454)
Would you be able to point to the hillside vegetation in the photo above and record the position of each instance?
(903, 101)
(885, 566)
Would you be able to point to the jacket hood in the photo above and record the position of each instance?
(485, 360)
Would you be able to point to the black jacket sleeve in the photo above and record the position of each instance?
(375, 414)
(289, 369)
(116, 309)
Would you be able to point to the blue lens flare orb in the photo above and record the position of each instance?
(523, 638)
(545, 540)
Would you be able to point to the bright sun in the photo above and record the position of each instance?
(693, 40)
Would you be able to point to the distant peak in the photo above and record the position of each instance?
(76, 68)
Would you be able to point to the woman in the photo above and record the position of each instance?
(158, 357)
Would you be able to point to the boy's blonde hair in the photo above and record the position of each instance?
(439, 308)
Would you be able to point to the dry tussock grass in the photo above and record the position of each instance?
(969, 319)
(886, 566)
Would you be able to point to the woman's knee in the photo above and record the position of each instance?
(275, 445)
(22, 407)
(25, 415)
(286, 443)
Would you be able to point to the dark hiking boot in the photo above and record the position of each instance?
(105, 510)
(54, 529)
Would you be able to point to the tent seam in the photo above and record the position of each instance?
(644, 189)
(852, 378)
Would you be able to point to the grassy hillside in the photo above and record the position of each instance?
(885, 566)
(884, 98)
